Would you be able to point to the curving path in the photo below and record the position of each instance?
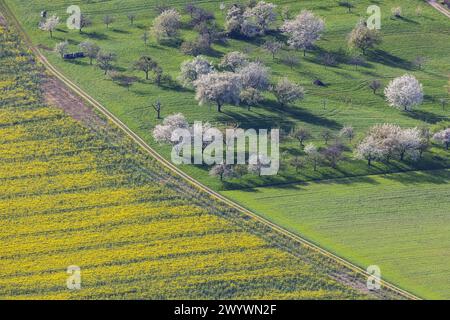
(439, 7)
(358, 270)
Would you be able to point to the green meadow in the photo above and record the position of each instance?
(399, 222)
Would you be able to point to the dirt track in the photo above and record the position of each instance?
(439, 7)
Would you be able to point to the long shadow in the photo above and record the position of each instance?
(77, 62)
(383, 57)
(300, 114)
(255, 120)
(407, 20)
(419, 177)
(96, 35)
(425, 116)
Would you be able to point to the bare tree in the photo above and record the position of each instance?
(105, 60)
(313, 155)
(122, 79)
(50, 25)
(375, 85)
(303, 31)
(347, 132)
(108, 20)
(90, 50)
(287, 92)
(234, 60)
(191, 70)
(443, 137)
(145, 37)
(145, 64)
(291, 61)
(131, 17)
(167, 24)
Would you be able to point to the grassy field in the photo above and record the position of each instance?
(349, 101)
(74, 196)
(399, 222)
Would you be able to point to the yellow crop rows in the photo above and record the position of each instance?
(70, 197)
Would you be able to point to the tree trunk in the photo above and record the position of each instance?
(219, 107)
(304, 53)
(146, 75)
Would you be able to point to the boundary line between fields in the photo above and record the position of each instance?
(296, 238)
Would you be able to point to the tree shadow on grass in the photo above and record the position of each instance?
(383, 57)
(96, 35)
(425, 116)
(300, 114)
(406, 20)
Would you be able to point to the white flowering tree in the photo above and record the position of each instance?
(443, 137)
(370, 150)
(387, 140)
(50, 25)
(408, 143)
(167, 24)
(303, 31)
(191, 70)
(257, 163)
(234, 60)
(90, 50)
(218, 88)
(234, 19)
(255, 75)
(287, 92)
(404, 92)
(163, 132)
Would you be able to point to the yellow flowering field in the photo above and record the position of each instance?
(71, 197)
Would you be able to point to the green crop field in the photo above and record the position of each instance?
(71, 195)
(421, 191)
(399, 222)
